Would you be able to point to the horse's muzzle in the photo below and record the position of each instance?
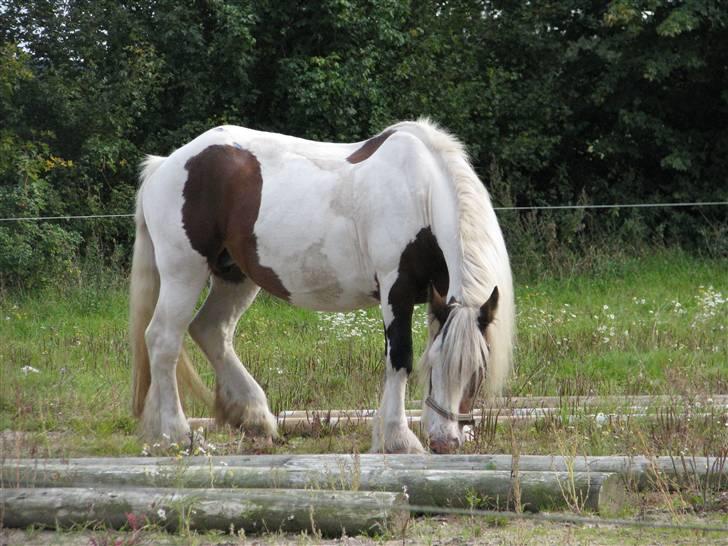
(444, 445)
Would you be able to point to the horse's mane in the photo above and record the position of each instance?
(485, 261)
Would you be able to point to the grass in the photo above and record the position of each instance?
(627, 332)
(651, 325)
(423, 531)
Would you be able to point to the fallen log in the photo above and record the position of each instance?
(640, 471)
(315, 421)
(517, 406)
(606, 401)
(520, 407)
(332, 513)
(596, 491)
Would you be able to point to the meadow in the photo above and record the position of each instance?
(650, 325)
(654, 324)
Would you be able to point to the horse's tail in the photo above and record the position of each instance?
(144, 292)
(485, 254)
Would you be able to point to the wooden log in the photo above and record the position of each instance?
(518, 407)
(543, 405)
(642, 471)
(315, 421)
(608, 401)
(332, 513)
(596, 491)
(356, 416)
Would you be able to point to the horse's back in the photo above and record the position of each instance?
(310, 222)
(330, 224)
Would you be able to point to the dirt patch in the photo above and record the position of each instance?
(438, 531)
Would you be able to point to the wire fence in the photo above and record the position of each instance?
(536, 517)
(618, 206)
(79, 217)
(519, 208)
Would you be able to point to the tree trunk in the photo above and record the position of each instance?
(640, 471)
(331, 513)
(596, 491)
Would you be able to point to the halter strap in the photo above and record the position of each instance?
(464, 418)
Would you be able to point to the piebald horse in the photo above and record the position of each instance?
(397, 220)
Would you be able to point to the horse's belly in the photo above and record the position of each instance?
(321, 279)
(333, 298)
(322, 270)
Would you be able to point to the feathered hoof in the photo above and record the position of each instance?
(164, 431)
(395, 438)
(253, 417)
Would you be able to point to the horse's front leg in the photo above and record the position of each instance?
(391, 433)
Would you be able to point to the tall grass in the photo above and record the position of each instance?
(655, 324)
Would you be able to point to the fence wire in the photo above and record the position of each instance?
(536, 517)
(79, 217)
(523, 208)
(617, 206)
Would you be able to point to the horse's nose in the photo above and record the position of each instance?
(444, 445)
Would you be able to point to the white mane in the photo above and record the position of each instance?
(485, 261)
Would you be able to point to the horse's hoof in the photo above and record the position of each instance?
(398, 438)
(255, 419)
(164, 433)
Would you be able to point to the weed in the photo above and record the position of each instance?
(567, 448)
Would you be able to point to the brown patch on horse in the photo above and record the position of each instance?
(221, 205)
(369, 147)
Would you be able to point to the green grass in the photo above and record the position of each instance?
(650, 325)
(423, 531)
(633, 331)
(654, 325)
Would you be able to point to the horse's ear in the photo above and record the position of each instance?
(438, 307)
(487, 310)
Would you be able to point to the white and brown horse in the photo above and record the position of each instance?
(397, 220)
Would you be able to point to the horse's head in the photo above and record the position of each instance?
(454, 367)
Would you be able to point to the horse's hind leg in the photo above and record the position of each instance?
(239, 400)
(180, 285)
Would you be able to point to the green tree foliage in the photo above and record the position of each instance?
(558, 101)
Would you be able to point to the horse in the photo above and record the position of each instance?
(397, 220)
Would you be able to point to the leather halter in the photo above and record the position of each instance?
(462, 418)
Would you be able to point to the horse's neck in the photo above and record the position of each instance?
(446, 228)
